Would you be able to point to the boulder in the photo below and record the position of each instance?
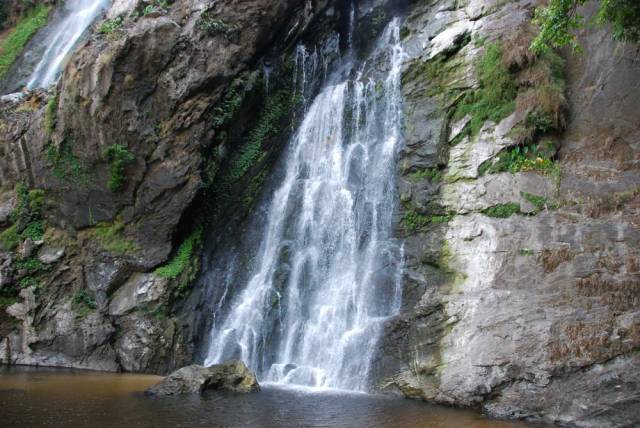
(231, 376)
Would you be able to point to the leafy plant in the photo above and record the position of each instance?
(229, 107)
(110, 26)
(276, 109)
(182, 259)
(158, 6)
(83, 303)
(119, 157)
(15, 42)
(30, 265)
(28, 281)
(559, 21)
(521, 158)
(25, 218)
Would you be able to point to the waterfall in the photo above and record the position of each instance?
(327, 273)
(63, 36)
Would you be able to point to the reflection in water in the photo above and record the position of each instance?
(63, 398)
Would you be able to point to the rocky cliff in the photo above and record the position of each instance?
(522, 286)
(101, 175)
(519, 187)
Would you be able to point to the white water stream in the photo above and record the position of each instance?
(327, 274)
(77, 17)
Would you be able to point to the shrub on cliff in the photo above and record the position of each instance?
(560, 19)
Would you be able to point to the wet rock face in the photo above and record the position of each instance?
(150, 88)
(233, 376)
(525, 313)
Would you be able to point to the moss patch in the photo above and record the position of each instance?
(502, 210)
(432, 174)
(26, 219)
(66, 166)
(495, 98)
(539, 203)
(50, 114)
(110, 237)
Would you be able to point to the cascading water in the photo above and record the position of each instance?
(327, 274)
(77, 16)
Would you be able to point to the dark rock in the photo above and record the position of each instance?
(231, 376)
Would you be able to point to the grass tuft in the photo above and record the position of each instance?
(15, 42)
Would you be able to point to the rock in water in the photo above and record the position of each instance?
(232, 376)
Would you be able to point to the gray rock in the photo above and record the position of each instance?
(49, 255)
(138, 290)
(231, 376)
(6, 207)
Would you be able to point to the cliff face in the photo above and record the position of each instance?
(109, 164)
(522, 283)
(522, 276)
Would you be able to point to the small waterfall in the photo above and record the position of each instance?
(327, 273)
(78, 15)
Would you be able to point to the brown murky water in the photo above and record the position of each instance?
(63, 398)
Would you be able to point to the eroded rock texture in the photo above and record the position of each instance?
(534, 315)
(232, 376)
(109, 164)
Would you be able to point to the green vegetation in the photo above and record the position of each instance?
(29, 281)
(540, 203)
(111, 26)
(502, 210)
(522, 158)
(119, 157)
(30, 265)
(20, 36)
(432, 174)
(526, 252)
(111, 239)
(213, 25)
(5, 302)
(413, 221)
(9, 238)
(182, 259)
(50, 114)
(65, 164)
(26, 219)
(269, 125)
(495, 98)
(541, 100)
(156, 6)
(83, 303)
(228, 108)
(559, 20)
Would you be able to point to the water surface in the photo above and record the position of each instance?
(64, 398)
